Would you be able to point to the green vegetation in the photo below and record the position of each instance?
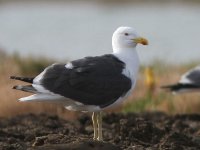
(149, 103)
(30, 65)
(139, 105)
(142, 99)
(156, 99)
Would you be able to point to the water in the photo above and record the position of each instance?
(71, 30)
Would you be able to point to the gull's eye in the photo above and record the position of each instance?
(126, 34)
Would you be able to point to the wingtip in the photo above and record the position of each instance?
(174, 88)
(17, 87)
(12, 77)
(168, 88)
(165, 86)
(14, 87)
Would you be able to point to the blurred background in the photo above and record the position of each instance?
(36, 33)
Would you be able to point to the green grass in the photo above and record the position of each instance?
(31, 65)
(138, 106)
(149, 103)
(142, 101)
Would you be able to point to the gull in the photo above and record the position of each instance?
(90, 84)
(189, 82)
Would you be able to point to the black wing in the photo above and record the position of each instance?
(180, 86)
(92, 80)
(25, 79)
(193, 76)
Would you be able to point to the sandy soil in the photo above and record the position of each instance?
(121, 131)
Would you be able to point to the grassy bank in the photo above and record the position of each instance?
(142, 98)
(145, 99)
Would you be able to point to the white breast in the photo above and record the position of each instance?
(131, 70)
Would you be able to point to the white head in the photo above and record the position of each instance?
(126, 38)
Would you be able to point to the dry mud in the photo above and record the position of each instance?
(147, 131)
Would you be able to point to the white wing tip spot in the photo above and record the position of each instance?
(69, 66)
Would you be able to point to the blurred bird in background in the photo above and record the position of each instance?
(189, 82)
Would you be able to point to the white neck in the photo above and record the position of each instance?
(130, 57)
(123, 50)
(126, 54)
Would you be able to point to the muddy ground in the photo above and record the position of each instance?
(146, 131)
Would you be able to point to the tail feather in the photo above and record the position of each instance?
(25, 79)
(26, 88)
(180, 86)
(173, 87)
(44, 98)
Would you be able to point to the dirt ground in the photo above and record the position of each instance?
(147, 131)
